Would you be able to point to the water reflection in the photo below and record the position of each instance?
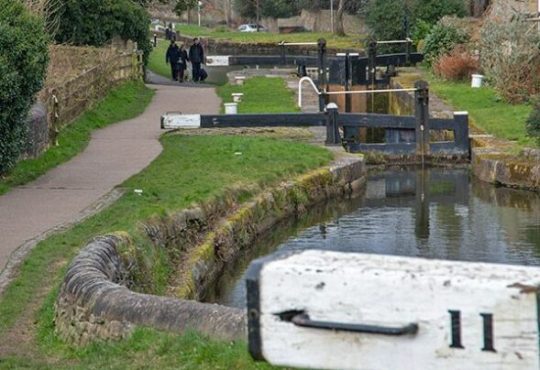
(437, 213)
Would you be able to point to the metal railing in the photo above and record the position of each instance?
(406, 41)
(312, 83)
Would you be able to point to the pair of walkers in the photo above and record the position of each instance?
(178, 57)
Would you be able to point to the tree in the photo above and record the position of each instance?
(255, 9)
(386, 19)
(340, 30)
(431, 11)
(23, 64)
(182, 6)
(97, 22)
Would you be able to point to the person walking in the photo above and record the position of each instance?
(196, 56)
(173, 54)
(183, 59)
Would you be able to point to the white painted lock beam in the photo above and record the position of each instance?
(329, 310)
(177, 120)
(218, 61)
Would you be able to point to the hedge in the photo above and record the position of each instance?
(97, 22)
(23, 64)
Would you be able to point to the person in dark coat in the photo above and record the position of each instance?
(182, 62)
(172, 57)
(196, 56)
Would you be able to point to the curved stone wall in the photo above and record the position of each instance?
(95, 300)
(94, 303)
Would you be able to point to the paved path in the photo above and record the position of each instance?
(114, 154)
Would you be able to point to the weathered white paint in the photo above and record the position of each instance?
(395, 291)
(231, 108)
(300, 87)
(240, 80)
(237, 97)
(218, 61)
(173, 120)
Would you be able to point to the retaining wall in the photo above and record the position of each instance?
(95, 300)
(95, 303)
(501, 169)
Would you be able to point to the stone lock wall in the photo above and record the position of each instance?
(95, 299)
(517, 172)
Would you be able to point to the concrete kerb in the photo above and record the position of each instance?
(95, 302)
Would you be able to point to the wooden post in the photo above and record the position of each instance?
(322, 72)
(422, 118)
(332, 128)
(408, 53)
(461, 133)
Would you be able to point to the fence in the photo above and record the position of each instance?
(67, 101)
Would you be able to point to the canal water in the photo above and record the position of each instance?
(434, 213)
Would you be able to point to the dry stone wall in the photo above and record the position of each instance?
(97, 301)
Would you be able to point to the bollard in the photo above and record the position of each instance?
(422, 118)
(155, 40)
(332, 128)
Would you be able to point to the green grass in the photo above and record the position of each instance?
(124, 102)
(157, 57)
(333, 41)
(190, 169)
(148, 349)
(261, 95)
(156, 60)
(487, 110)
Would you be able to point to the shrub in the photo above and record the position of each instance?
(387, 18)
(458, 65)
(510, 57)
(533, 122)
(23, 64)
(442, 40)
(419, 31)
(97, 22)
(431, 11)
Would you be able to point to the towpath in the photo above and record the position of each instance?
(85, 184)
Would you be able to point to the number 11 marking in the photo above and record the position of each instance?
(455, 325)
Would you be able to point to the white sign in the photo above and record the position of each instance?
(171, 121)
(218, 61)
(329, 310)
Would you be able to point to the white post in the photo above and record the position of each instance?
(332, 15)
(199, 4)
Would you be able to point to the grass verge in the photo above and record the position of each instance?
(333, 41)
(190, 169)
(261, 94)
(124, 102)
(486, 109)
